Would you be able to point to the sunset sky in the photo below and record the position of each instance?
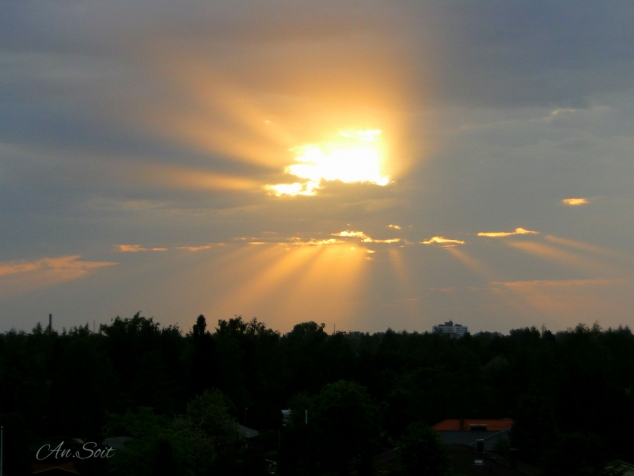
(366, 164)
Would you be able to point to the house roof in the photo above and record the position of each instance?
(247, 432)
(465, 425)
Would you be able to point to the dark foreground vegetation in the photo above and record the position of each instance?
(179, 396)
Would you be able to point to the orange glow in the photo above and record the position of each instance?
(194, 248)
(289, 96)
(137, 248)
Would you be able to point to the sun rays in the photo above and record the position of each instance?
(322, 279)
(333, 277)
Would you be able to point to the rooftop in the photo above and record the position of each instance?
(466, 424)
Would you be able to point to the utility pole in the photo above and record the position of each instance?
(50, 328)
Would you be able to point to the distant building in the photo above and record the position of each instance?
(450, 328)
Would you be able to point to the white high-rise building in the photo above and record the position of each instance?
(453, 329)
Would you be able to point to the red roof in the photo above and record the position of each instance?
(465, 425)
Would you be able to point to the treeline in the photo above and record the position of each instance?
(352, 394)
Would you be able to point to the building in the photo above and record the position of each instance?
(452, 329)
(468, 432)
(472, 443)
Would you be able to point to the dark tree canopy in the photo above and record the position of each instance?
(364, 394)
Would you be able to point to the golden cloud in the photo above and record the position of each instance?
(500, 234)
(366, 238)
(441, 240)
(194, 248)
(63, 263)
(350, 234)
(313, 242)
(137, 248)
(575, 201)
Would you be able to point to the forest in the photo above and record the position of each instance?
(178, 397)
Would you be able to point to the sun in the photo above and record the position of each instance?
(356, 156)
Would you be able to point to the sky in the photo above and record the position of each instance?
(363, 164)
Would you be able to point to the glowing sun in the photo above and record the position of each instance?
(355, 157)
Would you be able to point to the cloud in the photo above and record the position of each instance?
(389, 240)
(18, 277)
(365, 238)
(500, 234)
(348, 233)
(296, 241)
(395, 227)
(194, 248)
(575, 201)
(442, 241)
(313, 242)
(137, 248)
(63, 264)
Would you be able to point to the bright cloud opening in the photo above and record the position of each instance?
(356, 157)
(351, 234)
(365, 238)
